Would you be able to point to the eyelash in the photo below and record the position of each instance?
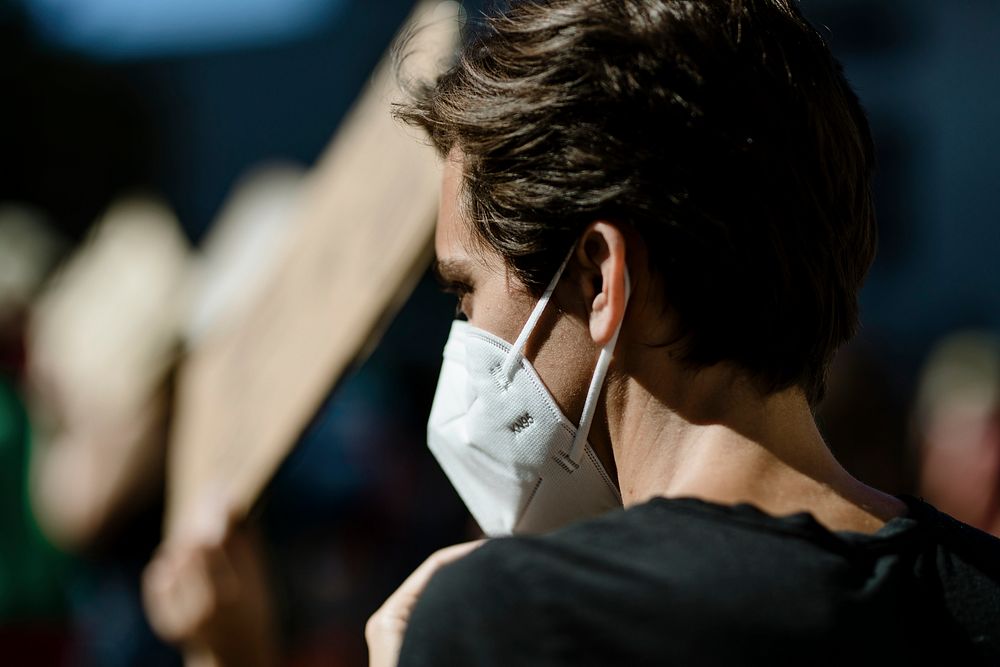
(460, 290)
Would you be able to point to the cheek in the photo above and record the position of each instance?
(560, 347)
(564, 355)
(499, 310)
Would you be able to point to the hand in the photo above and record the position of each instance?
(207, 593)
(385, 629)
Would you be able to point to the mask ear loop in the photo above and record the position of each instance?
(597, 382)
(514, 356)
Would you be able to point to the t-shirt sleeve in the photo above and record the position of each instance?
(476, 611)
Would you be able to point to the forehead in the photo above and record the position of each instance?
(459, 254)
(496, 302)
(452, 235)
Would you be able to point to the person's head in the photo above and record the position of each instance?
(714, 147)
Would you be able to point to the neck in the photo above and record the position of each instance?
(721, 441)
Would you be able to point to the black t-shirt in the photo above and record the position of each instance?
(685, 582)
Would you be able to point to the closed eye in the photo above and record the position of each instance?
(461, 292)
(453, 282)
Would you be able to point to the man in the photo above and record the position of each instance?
(657, 216)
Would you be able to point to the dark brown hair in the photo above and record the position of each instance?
(723, 131)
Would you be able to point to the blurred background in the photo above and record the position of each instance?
(129, 129)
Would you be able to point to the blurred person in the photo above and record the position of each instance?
(957, 427)
(657, 216)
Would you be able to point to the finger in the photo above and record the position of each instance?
(160, 594)
(417, 582)
(182, 600)
(384, 630)
(194, 597)
(154, 585)
(191, 573)
(396, 609)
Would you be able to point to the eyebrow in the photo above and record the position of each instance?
(450, 271)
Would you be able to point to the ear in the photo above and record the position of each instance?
(601, 259)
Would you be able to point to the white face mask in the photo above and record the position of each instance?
(518, 463)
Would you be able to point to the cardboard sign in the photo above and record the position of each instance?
(361, 237)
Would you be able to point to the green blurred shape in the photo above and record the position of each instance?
(32, 572)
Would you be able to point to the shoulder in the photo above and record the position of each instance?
(656, 583)
(618, 587)
(669, 545)
(477, 610)
(966, 561)
(978, 549)
(638, 544)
